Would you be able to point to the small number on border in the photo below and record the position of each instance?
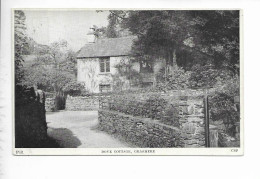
(234, 150)
(18, 152)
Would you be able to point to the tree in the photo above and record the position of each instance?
(113, 29)
(214, 34)
(54, 71)
(217, 34)
(159, 32)
(20, 43)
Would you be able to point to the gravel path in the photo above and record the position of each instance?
(73, 129)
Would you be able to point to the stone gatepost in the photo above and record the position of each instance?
(191, 119)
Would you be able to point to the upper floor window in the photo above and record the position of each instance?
(104, 64)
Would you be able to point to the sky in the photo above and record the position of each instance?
(47, 26)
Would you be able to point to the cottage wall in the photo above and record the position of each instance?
(89, 72)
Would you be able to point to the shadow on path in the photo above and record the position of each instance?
(48, 142)
(63, 137)
(77, 129)
(57, 138)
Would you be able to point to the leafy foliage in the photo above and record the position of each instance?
(223, 106)
(113, 29)
(203, 76)
(126, 74)
(218, 36)
(155, 107)
(179, 79)
(74, 88)
(212, 33)
(54, 70)
(208, 76)
(20, 43)
(157, 31)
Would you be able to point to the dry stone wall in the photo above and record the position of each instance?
(142, 132)
(49, 104)
(82, 103)
(191, 119)
(147, 132)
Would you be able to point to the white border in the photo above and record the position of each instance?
(130, 151)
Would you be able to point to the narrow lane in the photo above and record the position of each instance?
(73, 129)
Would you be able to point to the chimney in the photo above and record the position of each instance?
(91, 37)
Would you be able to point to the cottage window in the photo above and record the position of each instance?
(104, 88)
(104, 64)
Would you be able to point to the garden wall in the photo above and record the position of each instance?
(141, 132)
(82, 103)
(152, 126)
(55, 102)
(49, 104)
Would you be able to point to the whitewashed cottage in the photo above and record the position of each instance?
(97, 60)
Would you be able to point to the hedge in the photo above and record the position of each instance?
(154, 107)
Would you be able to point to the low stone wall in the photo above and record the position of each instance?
(81, 103)
(49, 104)
(142, 132)
(147, 132)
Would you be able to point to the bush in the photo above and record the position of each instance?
(203, 76)
(179, 79)
(126, 76)
(221, 103)
(74, 88)
(223, 107)
(208, 76)
(155, 107)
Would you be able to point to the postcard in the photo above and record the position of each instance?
(127, 82)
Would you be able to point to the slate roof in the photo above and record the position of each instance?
(109, 47)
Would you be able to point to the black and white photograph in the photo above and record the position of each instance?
(129, 89)
(127, 82)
